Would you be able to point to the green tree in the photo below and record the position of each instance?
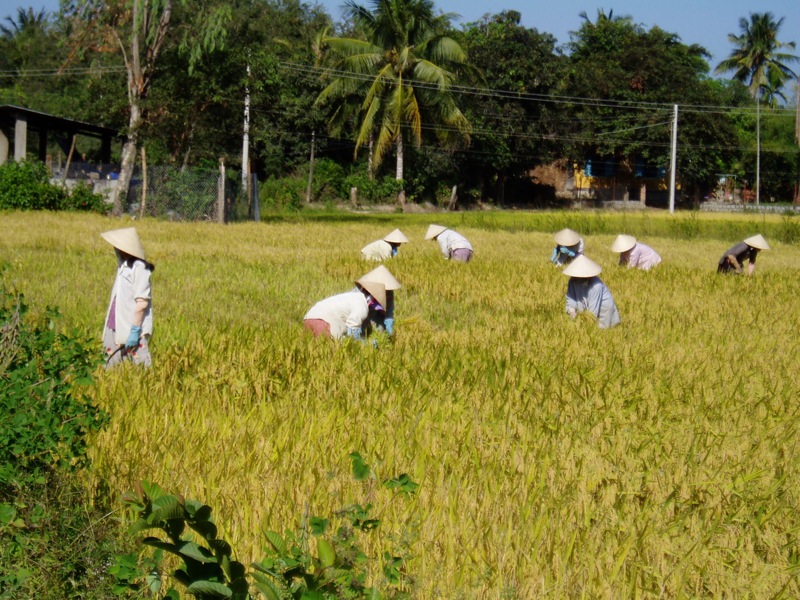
(759, 60)
(629, 79)
(511, 126)
(404, 73)
(27, 20)
(138, 30)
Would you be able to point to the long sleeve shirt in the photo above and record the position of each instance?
(131, 284)
(590, 293)
(449, 240)
(641, 256)
(343, 311)
(377, 250)
(563, 255)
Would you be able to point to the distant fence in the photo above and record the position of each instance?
(188, 194)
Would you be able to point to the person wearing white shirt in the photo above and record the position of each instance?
(386, 248)
(345, 314)
(454, 246)
(129, 318)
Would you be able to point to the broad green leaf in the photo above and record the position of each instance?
(276, 541)
(361, 469)
(318, 526)
(209, 589)
(327, 555)
(197, 552)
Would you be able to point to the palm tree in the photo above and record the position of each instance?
(399, 80)
(758, 60)
(602, 17)
(27, 21)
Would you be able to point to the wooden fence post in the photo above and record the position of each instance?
(144, 184)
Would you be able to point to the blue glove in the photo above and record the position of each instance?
(567, 251)
(554, 256)
(354, 332)
(133, 337)
(388, 325)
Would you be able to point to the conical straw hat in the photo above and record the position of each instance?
(126, 240)
(381, 275)
(758, 241)
(567, 237)
(376, 290)
(582, 267)
(396, 237)
(623, 243)
(433, 231)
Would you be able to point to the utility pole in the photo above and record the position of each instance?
(673, 160)
(246, 135)
(758, 145)
(797, 139)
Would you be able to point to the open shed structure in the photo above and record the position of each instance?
(17, 123)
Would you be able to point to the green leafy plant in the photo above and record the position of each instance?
(331, 566)
(25, 185)
(44, 416)
(53, 541)
(207, 568)
(82, 198)
(282, 194)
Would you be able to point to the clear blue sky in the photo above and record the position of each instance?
(704, 22)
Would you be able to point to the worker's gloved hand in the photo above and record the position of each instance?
(388, 325)
(554, 256)
(567, 251)
(354, 332)
(133, 337)
(572, 312)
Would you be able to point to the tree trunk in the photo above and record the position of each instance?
(128, 158)
(370, 165)
(401, 196)
(797, 139)
(140, 67)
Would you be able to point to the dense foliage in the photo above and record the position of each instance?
(487, 104)
(26, 186)
(53, 543)
(322, 560)
(44, 411)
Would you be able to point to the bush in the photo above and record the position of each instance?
(282, 194)
(52, 543)
(44, 419)
(81, 197)
(374, 191)
(329, 181)
(25, 186)
(55, 543)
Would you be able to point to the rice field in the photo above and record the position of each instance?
(555, 459)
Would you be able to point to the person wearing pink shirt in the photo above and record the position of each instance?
(635, 254)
